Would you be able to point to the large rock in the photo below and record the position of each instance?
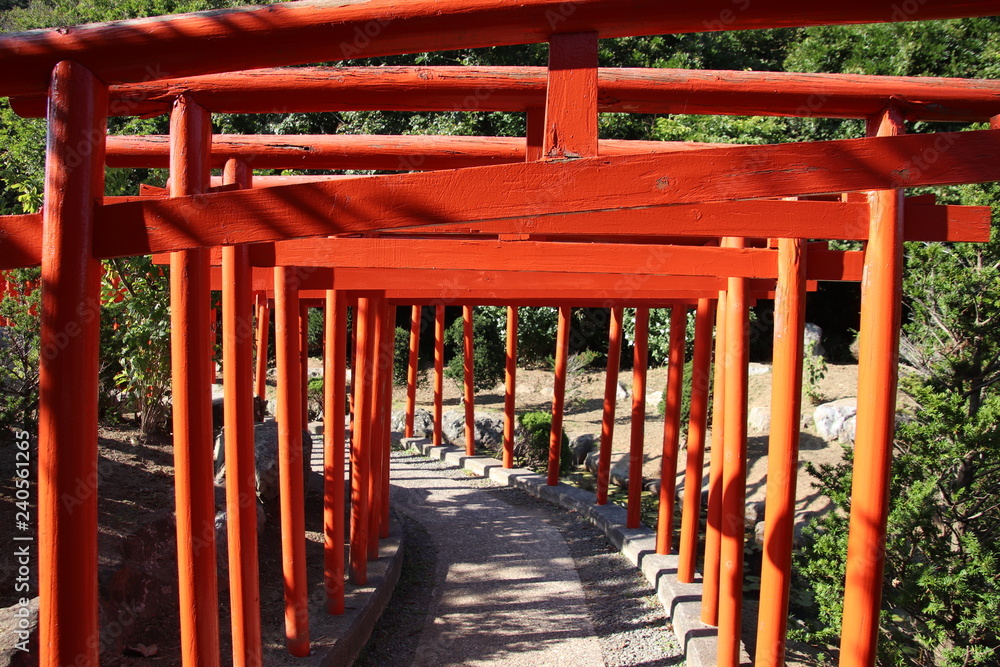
(759, 419)
(487, 429)
(830, 418)
(219, 411)
(621, 393)
(19, 634)
(266, 457)
(423, 422)
(812, 342)
(846, 435)
(581, 446)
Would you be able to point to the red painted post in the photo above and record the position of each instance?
(733, 472)
(697, 423)
(571, 96)
(194, 468)
(510, 383)
(335, 379)
(213, 339)
(359, 443)
(304, 360)
(241, 485)
(263, 329)
(291, 482)
(470, 394)
(559, 393)
(671, 430)
(783, 452)
(390, 332)
(352, 391)
(881, 293)
(636, 444)
(377, 434)
(411, 370)
(67, 406)
(713, 522)
(610, 402)
(438, 372)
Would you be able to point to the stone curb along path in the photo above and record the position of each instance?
(682, 602)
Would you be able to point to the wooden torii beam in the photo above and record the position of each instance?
(517, 89)
(298, 33)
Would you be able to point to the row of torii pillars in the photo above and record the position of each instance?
(70, 270)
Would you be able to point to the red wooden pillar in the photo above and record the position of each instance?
(671, 430)
(877, 376)
(335, 375)
(263, 328)
(734, 476)
(190, 139)
(304, 360)
(213, 319)
(610, 402)
(359, 443)
(510, 383)
(559, 393)
(438, 372)
(352, 379)
(67, 404)
(469, 378)
(635, 458)
(390, 348)
(697, 424)
(411, 370)
(241, 485)
(377, 434)
(713, 522)
(783, 452)
(291, 482)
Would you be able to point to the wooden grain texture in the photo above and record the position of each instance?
(298, 33)
(517, 89)
(537, 189)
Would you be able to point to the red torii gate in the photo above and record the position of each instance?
(582, 191)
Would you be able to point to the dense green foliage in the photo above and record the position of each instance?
(941, 581)
(531, 449)
(401, 357)
(488, 354)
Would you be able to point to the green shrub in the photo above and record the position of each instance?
(401, 359)
(19, 343)
(489, 357)
(531, 448)
(316, 398)
(686, 395)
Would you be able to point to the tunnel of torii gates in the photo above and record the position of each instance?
(555, 218)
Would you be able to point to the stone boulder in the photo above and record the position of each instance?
(812, 342)
(830, 418)
(423, 422)
(266, 457)
(759, 419)
(487, 430)
(219, 410)
(621, 393)
(19, 634)
(581, 446)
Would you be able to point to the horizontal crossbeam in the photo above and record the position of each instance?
(312, 31)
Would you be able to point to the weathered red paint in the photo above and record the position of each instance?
(559, 393)
(378, 434)
(881, 297)
(360, 468)
(510, 384)
(67, 411)
(241, 483)
(335, 380)
(636, 442)
(671, 430)
(191, 360)
(291, 484)
(411, 370)
(438, 372)
(304, 360)
(263, 329)
(468, 377)
(610, 402)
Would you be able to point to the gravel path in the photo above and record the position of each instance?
(492, 576)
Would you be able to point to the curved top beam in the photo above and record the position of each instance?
(625, 90)
(311, 31)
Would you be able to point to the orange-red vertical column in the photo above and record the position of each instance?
(671, 430)
(468, 381)
(241, 485)
(411, 370)
(190, 142)
(697, 423)
(881, 294)
(638, 435)
(389, 347)
(304, 360)
(263, 329)
(559, 393)
(377, 434)
(734, 476)
(290, 476)
(67, 404)
(360, 505)
(782, 452)
(438, 373)
(713, 520)
(335, 375)
(610, 402)
(510, 382)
